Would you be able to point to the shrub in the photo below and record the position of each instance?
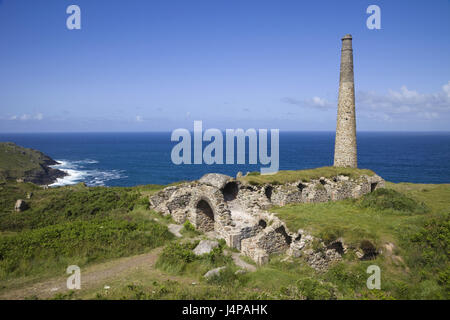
(385, 199)
(189, 229)
(433, 243)
(313, 289)
(76, 242)
(226, 276)
(175, 256)
(179, 258)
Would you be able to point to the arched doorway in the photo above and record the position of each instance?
(230, 191)
(205, 216)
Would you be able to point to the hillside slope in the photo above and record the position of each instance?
(29, 165)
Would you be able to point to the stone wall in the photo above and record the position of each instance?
(237, 212)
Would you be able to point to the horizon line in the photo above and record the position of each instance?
(281, 130)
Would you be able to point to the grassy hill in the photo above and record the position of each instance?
(26, 164)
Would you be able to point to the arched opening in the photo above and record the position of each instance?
(230, 191)
(300, 187)
(373, 186)
(370, 252)
(336, 245)
(268, 192)
(205, 216)
(283, 232)
(262, 224)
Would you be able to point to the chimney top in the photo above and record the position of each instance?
(347, 37)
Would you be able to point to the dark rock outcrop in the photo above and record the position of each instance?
(27, 165)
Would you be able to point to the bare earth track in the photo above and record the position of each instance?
(91, 277)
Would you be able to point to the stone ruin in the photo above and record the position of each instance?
(236, 211)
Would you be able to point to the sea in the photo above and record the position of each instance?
(130, 159)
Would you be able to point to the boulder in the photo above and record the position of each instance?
(216, 180)
(213, 272)
(20, 206)
(175, 229)
(205, 246)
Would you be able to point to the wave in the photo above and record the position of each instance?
(78, 171)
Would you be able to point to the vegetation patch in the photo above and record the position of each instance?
(189, 230)
(287, 176)
(385, 199)
(179, 258)
(59, 205)
(413, 217)
(76, 242)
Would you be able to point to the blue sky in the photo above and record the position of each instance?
(160, 65)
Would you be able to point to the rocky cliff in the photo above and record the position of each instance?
(27, 165)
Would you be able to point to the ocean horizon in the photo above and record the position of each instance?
(136, 158)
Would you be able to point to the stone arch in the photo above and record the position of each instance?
(204, 215)
(230, 191)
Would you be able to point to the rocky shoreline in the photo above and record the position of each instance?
(27, 165)
(46, 176)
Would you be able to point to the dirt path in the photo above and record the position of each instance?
(241, 263)
(91, 277)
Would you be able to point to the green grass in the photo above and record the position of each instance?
(83, 226)
(78, 242)
(189, 230)
(18, 162)
(74, 225)
(178, 258)
(416, 218)
(303, 175)
(389, 199)
(57, 205)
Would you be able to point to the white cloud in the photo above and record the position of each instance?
(406, 102)
(395, 104)
(139, 119)
(315, 102)
(26, 117)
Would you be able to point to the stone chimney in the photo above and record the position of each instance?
(345, 143)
